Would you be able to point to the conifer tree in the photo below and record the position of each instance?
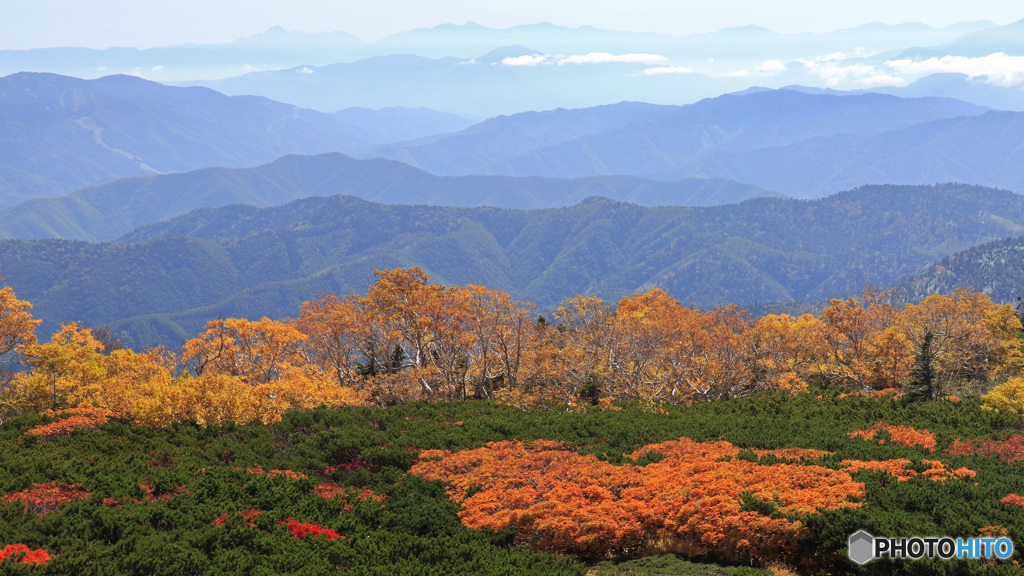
(922, 376)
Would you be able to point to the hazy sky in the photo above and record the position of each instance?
(145, 23)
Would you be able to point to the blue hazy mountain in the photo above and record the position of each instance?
(277, 48)
(1008, 39)
(485, 85)
(498, 139)
(984, 150)
(643, 139)
(107, 211)
(978, 90)
(59, 134)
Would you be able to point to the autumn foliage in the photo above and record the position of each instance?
(81, 418)
(694, 500)
(902, 435)
(23, 554)
(1009, 450)
(409, 339)
(45, 498)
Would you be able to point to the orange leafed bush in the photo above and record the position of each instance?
(1014, 500)
(334, 491)
(289, 474)
(903, 435)
(894, 392)
(23, 554)
(898, 468)
(1009, 450)
(45, 498)
(691, 501)
(793, 453)
(83, 417)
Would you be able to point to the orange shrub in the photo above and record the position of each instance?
(45, 498)
(289, 474)
(691, 501)
(903, 435)
(24, 555)
(1014, 500)
(898, 468)
(894, 392)
(84, 417)
(1009, 450)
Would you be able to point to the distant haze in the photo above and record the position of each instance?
(50, 23)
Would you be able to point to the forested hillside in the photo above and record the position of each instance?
(107, 211)
(248, 262)
(996, 268)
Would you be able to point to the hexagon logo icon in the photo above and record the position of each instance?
(861, 547)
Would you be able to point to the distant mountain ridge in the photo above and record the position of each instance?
(164, 281)
(280, 48)
(642, 139)
(109, 210)
(58, 134)
(983, 150)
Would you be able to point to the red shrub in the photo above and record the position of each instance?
(301, 530)
(21, 553)
(1009, 450)
(83, 417)
(45, 498)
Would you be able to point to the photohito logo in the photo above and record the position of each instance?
(863, 548)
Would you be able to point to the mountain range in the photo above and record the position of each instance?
(162, 282)
(109, 210)
(278, 48)
(653, 140)
(59, 134)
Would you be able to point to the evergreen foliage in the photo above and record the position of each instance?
(922, 376)
(415, 529)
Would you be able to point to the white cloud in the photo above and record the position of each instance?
(525, 60)
(470, 61)
(659, 70)
(998, 68)
(831, 57)
(305, 70)
(834, 73)
(772, 67)
(158, 68)
(606, 58)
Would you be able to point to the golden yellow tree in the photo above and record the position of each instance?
(334, 336)
(972, 336)
(66, 371)
(503, 330)
(17, 327)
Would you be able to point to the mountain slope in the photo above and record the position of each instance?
(985, 150)
(58, 134)
(638, 139)
(162, 282)
(109, 210)
(730, 123)
(497, 139)
(996, 268)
